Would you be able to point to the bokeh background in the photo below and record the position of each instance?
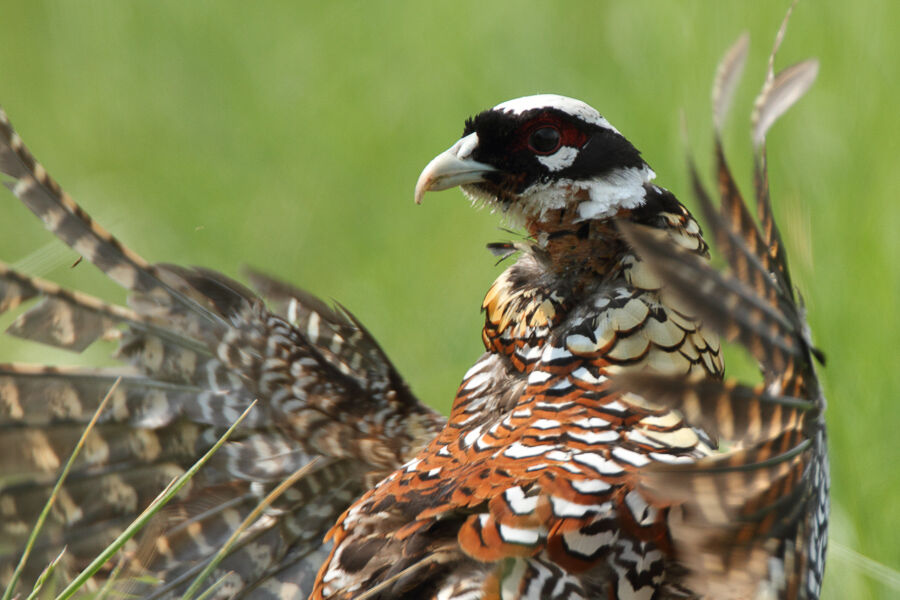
(288, 136)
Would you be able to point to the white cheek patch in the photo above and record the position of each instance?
(559, 160)
(624, 188)
(544, 197)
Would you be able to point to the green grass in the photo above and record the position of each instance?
(288, 136)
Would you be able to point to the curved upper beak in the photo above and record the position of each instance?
(451, 168)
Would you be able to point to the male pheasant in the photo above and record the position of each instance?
(594, 450)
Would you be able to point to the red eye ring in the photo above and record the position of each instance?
(545, 139)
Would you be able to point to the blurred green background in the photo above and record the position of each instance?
(288, 136)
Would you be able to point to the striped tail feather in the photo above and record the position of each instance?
(64, 319)
(751, 519)
(198, 348)
(733, 209)
(62, 216)
(727, 410)
(73, 321)
(170, 371)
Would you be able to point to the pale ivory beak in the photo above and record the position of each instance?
(451, 168)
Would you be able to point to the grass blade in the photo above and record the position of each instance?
(45, 575)
(208, 592)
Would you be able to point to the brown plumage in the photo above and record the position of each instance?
(595, 450)
(197, 348)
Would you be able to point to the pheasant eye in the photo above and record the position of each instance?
(544, 140)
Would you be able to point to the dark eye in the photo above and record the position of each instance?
(544, 140)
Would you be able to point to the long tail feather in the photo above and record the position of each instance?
(750, 519)
(728, 75)
(199, 348)
(741, 414)
(61, 215)
(69, 319)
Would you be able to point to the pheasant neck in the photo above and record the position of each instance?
(581, 249)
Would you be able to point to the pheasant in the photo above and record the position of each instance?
(595, 449)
